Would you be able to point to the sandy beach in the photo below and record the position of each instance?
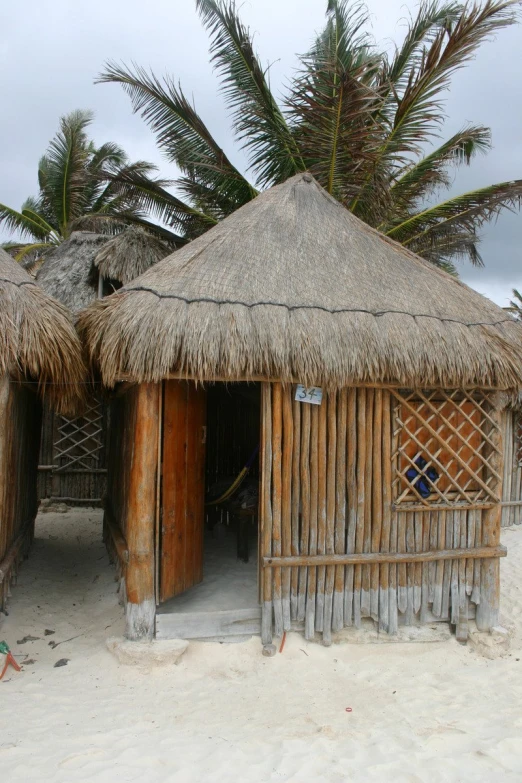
(419, 711)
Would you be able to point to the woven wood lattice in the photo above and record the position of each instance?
(80, 440)
(446, 448)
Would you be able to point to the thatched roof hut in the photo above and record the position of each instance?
(380, 493)
(68, 272)
(129, 254)
(39, 352)
(293, 286)
(39, 342)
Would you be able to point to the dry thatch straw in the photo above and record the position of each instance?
(294, 287)
(37, 338)
(68, 272)
(130, 254)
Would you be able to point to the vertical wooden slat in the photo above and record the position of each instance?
(376, 502)
(384, 586)
(286, 501)
(330, 514)
(419, 522)
(321, 512)
(157, 531)
(402, 576)
(296, 501)
(352, 503)
(410, 573)
(266, 508)
(340, 508)
(277, 432)
(314, 499)
(394, 534)
(361, 501)
(439, 574)
(365, 586)
(305, 506)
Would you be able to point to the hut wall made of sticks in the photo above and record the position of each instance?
(20, 416)
(512, 479)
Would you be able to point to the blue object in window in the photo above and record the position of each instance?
(419, 478)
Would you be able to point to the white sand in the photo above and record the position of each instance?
(421, 712)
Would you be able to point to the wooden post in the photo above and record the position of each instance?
(140, 609)
(266, 508)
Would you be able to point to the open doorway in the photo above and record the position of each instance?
(208, 558)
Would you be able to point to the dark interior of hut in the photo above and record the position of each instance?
(230, 556)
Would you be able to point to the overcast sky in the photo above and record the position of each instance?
(51, 51)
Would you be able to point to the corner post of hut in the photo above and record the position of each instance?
(140, 608)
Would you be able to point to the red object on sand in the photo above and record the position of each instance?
(348, 709)
(283, 640)
(9, 660)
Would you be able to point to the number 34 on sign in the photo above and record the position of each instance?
(313, 394)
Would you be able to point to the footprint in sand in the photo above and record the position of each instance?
(79, 760)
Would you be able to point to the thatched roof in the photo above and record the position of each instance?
(293, 286)
(37, 338)
(129, 254)
(68, 273)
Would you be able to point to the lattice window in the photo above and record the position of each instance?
(80, 440)
(446, 448)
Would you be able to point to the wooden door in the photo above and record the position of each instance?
(183, 487)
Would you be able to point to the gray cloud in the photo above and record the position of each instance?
(51, 51)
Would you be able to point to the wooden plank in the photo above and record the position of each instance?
(140, 606)
(208, 625)
(331, 498)
(361, 502)
(296, 501)
(277, 441)
(340, 508)
(266, 508)
(384, 576)
(321, 512)
(369, 558)
(197, 501)
(368, 480)
(314, 500)
(305, 506)
(352, 502)
(376, 502)
(286, 500)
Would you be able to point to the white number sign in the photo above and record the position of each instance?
(313, 394)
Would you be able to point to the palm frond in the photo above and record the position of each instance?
(334, 104)
(419, 109)
(416, 181)
(180, 132)
(26, 223)
(258, 120)
(464, 213)
(65, 168)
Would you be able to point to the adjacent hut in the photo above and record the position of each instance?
(40, 355)
(373, 381)
(87, 266)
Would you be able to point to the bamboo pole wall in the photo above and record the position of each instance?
(334, 548)
(512, 480)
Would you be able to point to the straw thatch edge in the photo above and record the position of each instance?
(39, 344)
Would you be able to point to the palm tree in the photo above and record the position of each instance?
(81, 186)
(364, 123)
(515, 305)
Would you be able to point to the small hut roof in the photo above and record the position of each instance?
(293, 286)
(129, 254)
(68, 272)
(37, 337)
